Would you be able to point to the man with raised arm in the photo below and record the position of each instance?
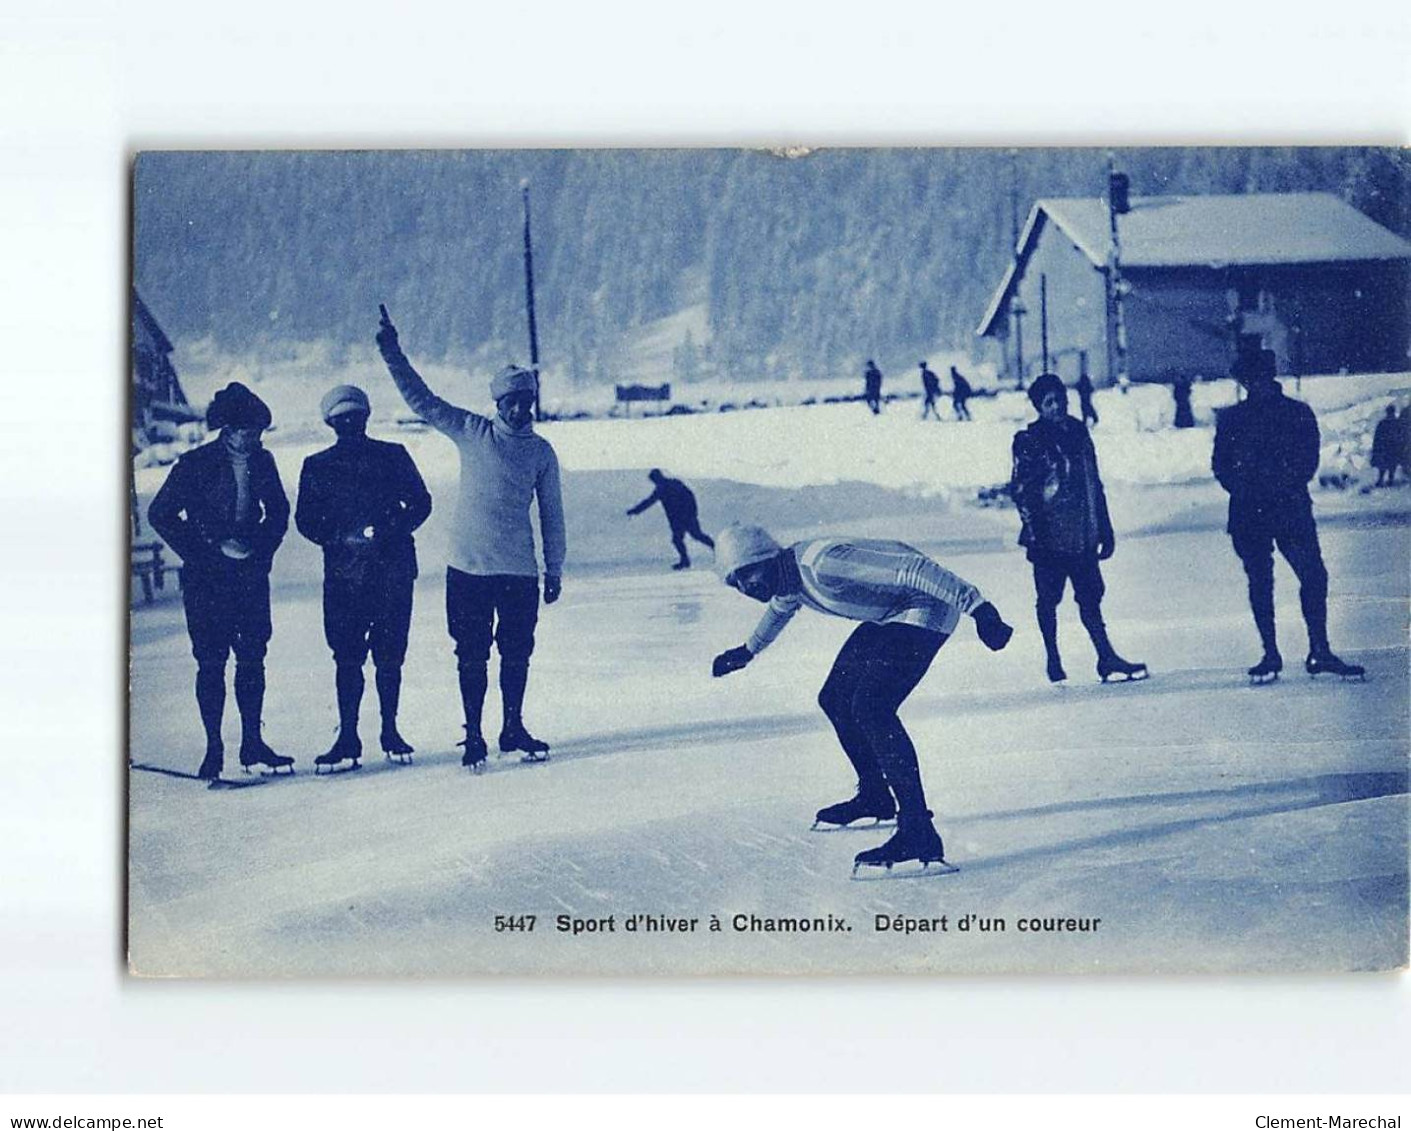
(492, 581)
(909, 606)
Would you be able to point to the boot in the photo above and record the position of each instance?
(214, 761)
(514, 678)
(874, 801)
(1056, 674)
(915, 839)
(389, 696)
(475, 753)
(1325, 663)
(254, 752)
(347, 747)
(1268, 668)
(1111, 668)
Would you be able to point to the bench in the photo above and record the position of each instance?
(150, 569)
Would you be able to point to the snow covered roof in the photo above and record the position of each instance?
(1209, 231)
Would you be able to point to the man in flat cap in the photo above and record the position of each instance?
(492, 582)
(360, 500)
(223, 510)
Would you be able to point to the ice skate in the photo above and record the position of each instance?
(475, 753)
(254, 753)
(213, 763)
(1056, 674)
(682, 565)
(1268, 668)
(397, 748)
(1111, 668)
(344, 750)
(875, 805)
(515, 737)
(1325, 663)
(916, 840)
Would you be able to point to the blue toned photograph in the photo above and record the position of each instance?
(813, 561)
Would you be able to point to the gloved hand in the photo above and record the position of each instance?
(553, 586)
(387, 334)
(731, 661)
(1106, 544)
(990, 626)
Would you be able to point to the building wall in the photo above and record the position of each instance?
(1352, 317)
(1178, 321)
(1076, 309)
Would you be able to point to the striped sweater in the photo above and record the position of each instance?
(869, 580)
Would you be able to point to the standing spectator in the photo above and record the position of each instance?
(931, 389)
(492, 582)
(1066, 528)
(361, 500)
(909, 606)
(872, 386)
(1085, 397)
(223, 510)
(1386, 445)
(960, 394)
(679, 503)
(1403, 440)
(1181, 394)
(1266, 452)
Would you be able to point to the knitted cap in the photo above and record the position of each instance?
(236, 406)
(512, 379)
(740, 545)
(341, 399)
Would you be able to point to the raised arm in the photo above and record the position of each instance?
(551, 527)
(441, 415)
(654, 497)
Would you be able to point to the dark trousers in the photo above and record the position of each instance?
(1297, 539)
(1052, 574)
(371, 613)
(693, 528)
(227, 610)
(483, 608)
(878, 667)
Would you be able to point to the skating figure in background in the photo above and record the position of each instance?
(492, 583)
(909, 606)
(679, 503)
(960, 394)
(1385, 442)
(1066, 528)
(872, 386)
(223, 510)
(361, 500)
(931, 390)
(1266, 452)
(1181, 394)
(1084, 388)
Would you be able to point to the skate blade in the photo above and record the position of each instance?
(1261, 680)
(1125, 677)
(398, 759)
(906, 870)
(877, 823)
(477, 768)
(328, 771)
(534, 757)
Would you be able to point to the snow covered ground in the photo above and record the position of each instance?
(1208, 825)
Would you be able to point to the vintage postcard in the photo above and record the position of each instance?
(829, 562)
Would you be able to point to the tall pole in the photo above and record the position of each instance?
(529, 299)
(1016, 305)
(1114, 277)
(1043, 317)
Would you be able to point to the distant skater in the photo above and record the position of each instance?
(909, 606)
(872, 386)
(223, 510)
(1066, 528)
(1181, 395)
(361, 500)
(679, 503)
(1385, 442)
(931, 390)
(1266, 453)
(960, 394)
(1084, 389)
(492, 583)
